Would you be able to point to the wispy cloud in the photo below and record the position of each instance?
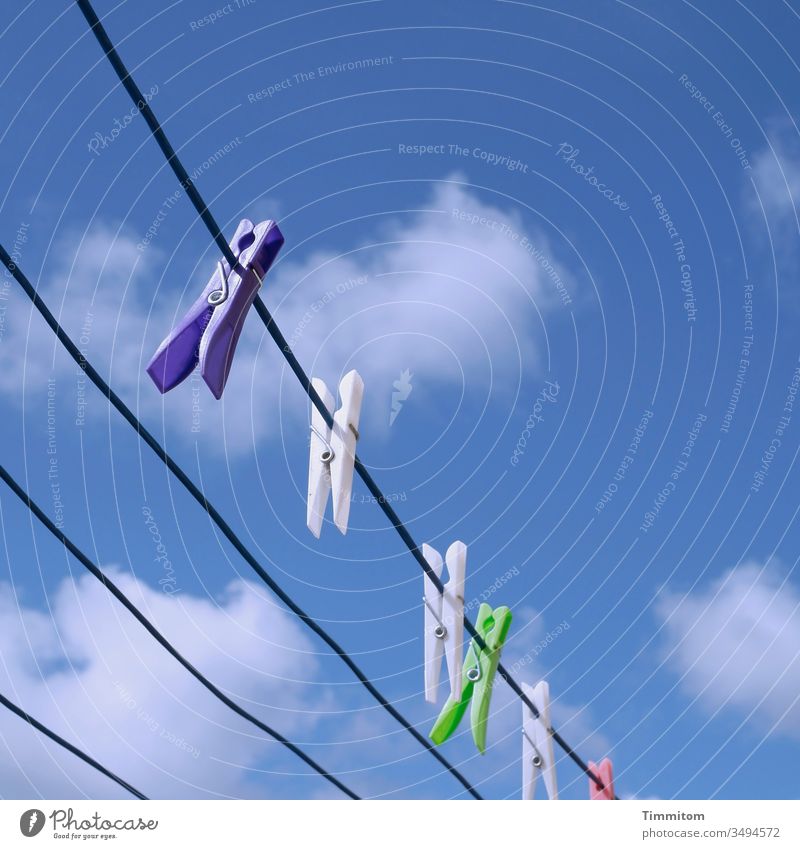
(776, 177)
(736, 644)
(433, 292)
(776, 172)
(88, 670)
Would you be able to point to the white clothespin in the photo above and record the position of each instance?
(444, 619)
(333, 453)
(537, 743)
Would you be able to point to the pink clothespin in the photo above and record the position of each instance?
(605, 772)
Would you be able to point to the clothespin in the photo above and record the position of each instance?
(209, 332)
(605, 772)
(444, 619)
(333, 452)
(537, 743)
(480, 667)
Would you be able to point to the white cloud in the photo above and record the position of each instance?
(452, 301)
(90, 672)
(736, 644)
(85, 288)
(776, 174)
(434, 291)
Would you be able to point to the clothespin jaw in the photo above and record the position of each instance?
(480, 668)
(605, 772)
(210, 330)
(444, 618)
(343, 439)
(495, 625)
(538, 755)
(434, 629)
(453, 613)
(319, 464)
(456, 706)
(333, 452)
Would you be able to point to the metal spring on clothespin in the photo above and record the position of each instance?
(440, 632)
(328, 454)
(536, 760)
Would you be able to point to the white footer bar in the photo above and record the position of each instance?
(404, 825)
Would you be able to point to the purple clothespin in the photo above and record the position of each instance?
(208, 333)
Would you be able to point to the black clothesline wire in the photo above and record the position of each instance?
(208, 219)
(216, 517)
(57, 738)
(151, 629)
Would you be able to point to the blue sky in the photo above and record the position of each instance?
(575, 228)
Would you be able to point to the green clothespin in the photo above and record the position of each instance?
(480, 667)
